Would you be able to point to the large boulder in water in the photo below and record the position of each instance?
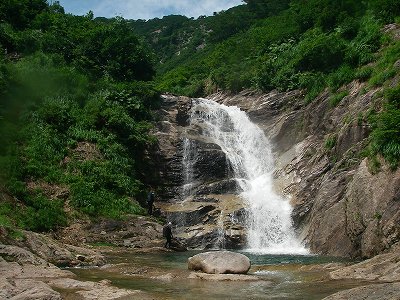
(220, 262)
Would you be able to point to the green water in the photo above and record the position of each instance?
(165, 276)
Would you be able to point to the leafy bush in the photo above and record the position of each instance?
(43, 214)
(343, 75)
(318, 51)
(368, 40)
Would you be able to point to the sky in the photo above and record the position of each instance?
(146, 9)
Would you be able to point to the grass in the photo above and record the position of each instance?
(330, 141)
(335, 99)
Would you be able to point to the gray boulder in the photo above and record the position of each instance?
(219, 262)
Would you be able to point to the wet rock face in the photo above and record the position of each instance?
(200, 212)
(208, 222)
(173, 131)
(211, 163)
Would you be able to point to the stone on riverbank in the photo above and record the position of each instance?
(384, 267)
(220, 262)
(370, 292)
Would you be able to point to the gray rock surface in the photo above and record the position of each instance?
(28, 289)
(388, 291)
(219, 262)
(96, 290)
(383, 267)
(26, 275)
(37, 249)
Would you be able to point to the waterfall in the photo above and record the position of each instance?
(269, 226)
(189, 159)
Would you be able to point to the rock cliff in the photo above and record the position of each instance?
(340, 206)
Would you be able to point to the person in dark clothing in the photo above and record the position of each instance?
(150, 202)
(167, 233)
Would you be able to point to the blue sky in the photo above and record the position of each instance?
(146, 9)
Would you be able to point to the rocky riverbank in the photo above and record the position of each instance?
(30, 268)
(36, 266)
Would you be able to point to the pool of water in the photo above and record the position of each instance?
(165, 276)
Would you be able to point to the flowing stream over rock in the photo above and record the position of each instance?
(268, 222)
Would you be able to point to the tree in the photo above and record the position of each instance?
(114, 50)
(20, 13)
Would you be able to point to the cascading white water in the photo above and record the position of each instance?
(249, 152)
(189, 159)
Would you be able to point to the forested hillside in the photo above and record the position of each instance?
(77, 92)
(76, 101)
(286, 45)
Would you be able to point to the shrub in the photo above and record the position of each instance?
(318, 51)
(364, 73)
(43, 214)
(330, 141)
(343, 75)
(368, 40)
(385, 137)
(335, 99)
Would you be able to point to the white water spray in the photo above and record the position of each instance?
(249, 152)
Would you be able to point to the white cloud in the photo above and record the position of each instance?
(147, 9)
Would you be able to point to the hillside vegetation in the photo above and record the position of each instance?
(77, 92)
(76, 101)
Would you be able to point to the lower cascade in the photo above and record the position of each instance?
(268, 215)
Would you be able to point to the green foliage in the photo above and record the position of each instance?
(326, 14)
(6, 211)
(384, 68)
(378, 215)
(309, 45)
(336, 98)
(318, 51)
(386, 9)
(366, 43)
(364, 73)
(114, 50)
(264, 8)
(75, 112)
(43, 214)
(385, 137)
(330, 141)
(20, 13)
(303, 64)
(341, 76)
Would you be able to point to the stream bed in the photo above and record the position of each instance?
(165, 276)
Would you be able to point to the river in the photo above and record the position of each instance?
(165, 276)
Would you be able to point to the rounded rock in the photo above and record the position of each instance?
(220, 262)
